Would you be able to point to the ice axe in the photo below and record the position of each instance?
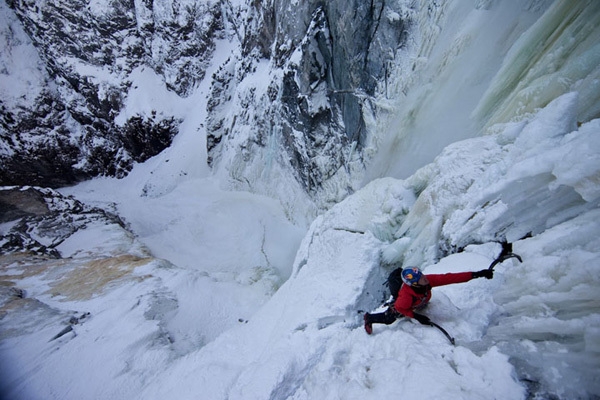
(424, 320)
(450, 338)
(505, 254)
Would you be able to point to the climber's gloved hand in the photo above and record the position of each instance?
(484, 273)
(423, 319)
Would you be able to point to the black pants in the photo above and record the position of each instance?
(387, 317)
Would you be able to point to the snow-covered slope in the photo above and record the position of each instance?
(162, 284)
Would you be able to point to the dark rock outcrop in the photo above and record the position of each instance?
(42, 219)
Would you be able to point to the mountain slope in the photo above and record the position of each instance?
(164, 284)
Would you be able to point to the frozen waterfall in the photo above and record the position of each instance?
(473, 67)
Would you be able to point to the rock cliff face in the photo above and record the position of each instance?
(322, 62)
(66, 131)
(292, 96)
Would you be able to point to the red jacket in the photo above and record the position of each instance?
(409, 300)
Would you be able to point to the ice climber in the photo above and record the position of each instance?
(415, 292)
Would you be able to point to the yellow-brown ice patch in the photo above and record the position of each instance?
(85, 281)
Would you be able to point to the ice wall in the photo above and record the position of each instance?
(475, 64)
(521, 81)
(559, 54)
